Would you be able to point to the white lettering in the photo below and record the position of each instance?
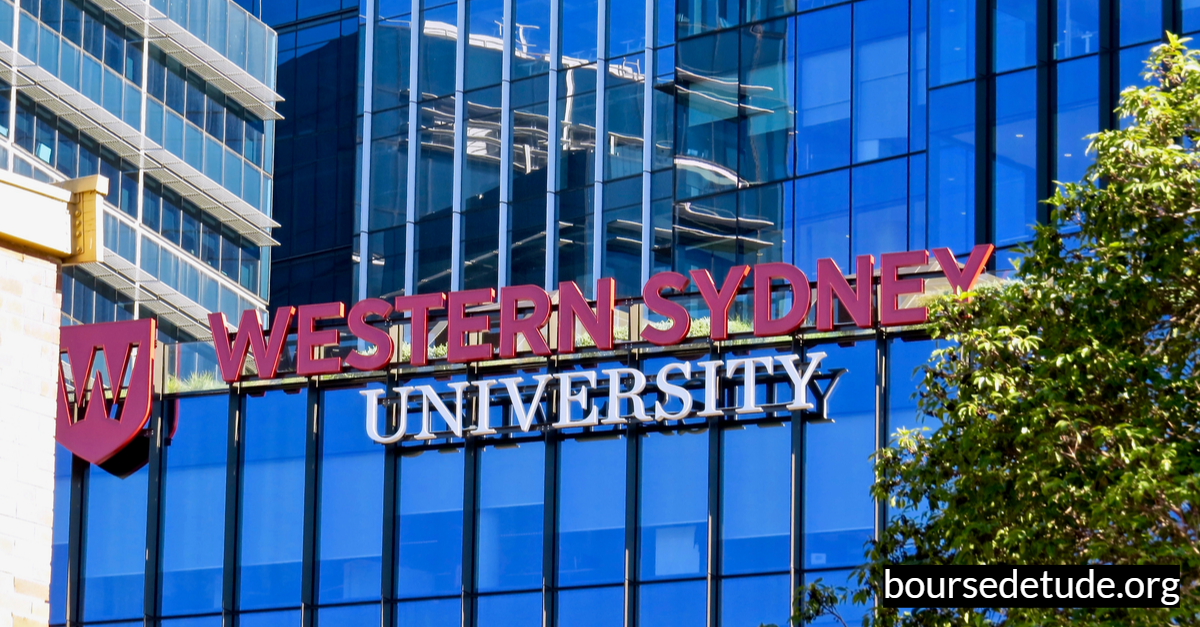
(749, 366)
(567, 394)
(674, 391)
(800, 381)
(633, 395)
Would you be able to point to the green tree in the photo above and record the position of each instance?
(1063, 411)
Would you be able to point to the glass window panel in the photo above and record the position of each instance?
(823, 110)
(1191, 15)
(591, 607)
(577, 115)
(1015, 34)
(48, 50)
(579, 32)
(531, 40)
(627, 33)
(916, 202)
(1078, 28)
(193, 550)
(625, 97)
(762, 215)
(822, 221)
(350, 615)
(1015, 160)
(700, 16)
(674, 506)
(756, 507)
(839, 514)
(273, 500)
(623, 235)
(706, 236)
(60, 533)
(880, 79)
(437, 613)
(677, 604)
(591, 532)
(707, 115)
(767, 88)
(952, 41)
(880, 214)
(749, 601)
(438, 51)
(197, 621)
(1133, 63)
(511, 497)
(114, 560)
(905, 358)
(510, 610)
(351, 493)
(576, 221)
(270, 619)
(430, 522)
(952, 167)
(1078, 115)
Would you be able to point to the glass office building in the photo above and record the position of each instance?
(432, 146)
(174, 103)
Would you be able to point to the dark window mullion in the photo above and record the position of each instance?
(310, 560)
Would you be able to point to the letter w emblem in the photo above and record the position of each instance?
(98, 420)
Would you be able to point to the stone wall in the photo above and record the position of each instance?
(29, 322)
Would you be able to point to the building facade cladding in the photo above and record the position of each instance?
(185, 139)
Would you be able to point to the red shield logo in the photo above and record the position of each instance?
(100, 420)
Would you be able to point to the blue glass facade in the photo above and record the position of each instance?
(531, 142)
(270, 504)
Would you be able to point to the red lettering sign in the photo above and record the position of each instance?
(467, 329)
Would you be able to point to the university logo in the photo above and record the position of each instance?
(105, 402)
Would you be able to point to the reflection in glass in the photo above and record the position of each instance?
(591, 607)
(701, 16)
(916, 202)
(511, 498)
(1077, 116)
(677, 604)
(439, 51)
(481, 188)
(823, 110)
(880, 214)
(761, 212)
(767, 99)
(839, 514)
(1078, 28)
(756, 507)
(114, 560)
(193, 550)
(273, 500)
(674, 506)
(527, 261)
(623, 235)
(625, 95)
(430, 523)
(706, 234)
(591, 527)
(197, 621)
(579, 32)
(880, 79)
(626, 33)
(1015, 34)
(1015, 160)
(706, 114)
(435, 202)
(750, 601)
(510, 610)
(531, 39)
(351, 495)
(436, 613)
(822, 221)
(952, 167)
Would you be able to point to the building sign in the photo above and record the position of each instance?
(573, 311)
(573, 392)
(99, 420)
(529, 317)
